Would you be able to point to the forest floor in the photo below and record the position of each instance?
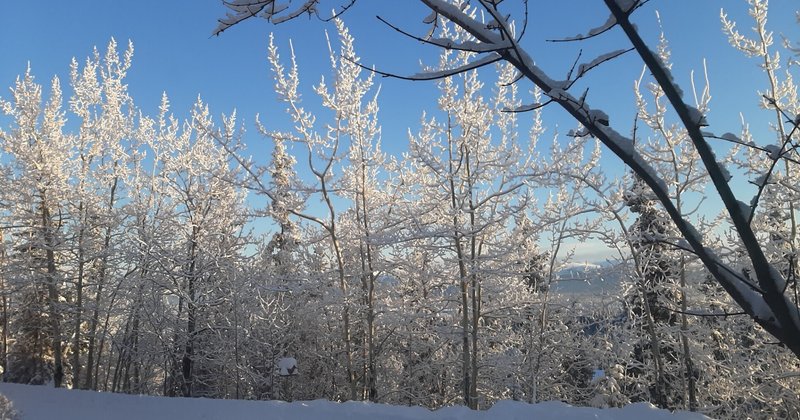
(40, 402)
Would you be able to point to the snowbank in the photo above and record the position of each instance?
(38, 402)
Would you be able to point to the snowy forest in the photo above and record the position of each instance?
(152, 254)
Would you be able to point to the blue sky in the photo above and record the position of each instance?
(175, 52)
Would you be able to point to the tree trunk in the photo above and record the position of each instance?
(90, 381)
(368, 282)
(102, 345)
(475, 286)
(4, 359)
(476, 313)
(688, 364)
(464, 284)
(346, 336)
(187, 362)
(346, 333)
(76, 334)
(6, 302)
(53, 295)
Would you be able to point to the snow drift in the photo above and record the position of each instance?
(39, 402)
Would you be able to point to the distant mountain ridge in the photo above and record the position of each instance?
(591, 278)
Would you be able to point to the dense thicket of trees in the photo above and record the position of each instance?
(434, 278)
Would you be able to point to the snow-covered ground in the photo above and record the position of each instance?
(38, 402)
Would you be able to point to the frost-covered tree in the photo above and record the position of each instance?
(654, 297)
(762, 296)
(345, 161)
(101, 103)
(431, 281)
(37, 191)
(468, 174)
(206, 217)
(661, 267)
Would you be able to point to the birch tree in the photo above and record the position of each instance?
(469, 173)
(106, 112)
(41, 167)
(498, 38)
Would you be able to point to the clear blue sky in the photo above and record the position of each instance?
(175, 52)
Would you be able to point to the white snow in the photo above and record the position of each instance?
(725, 173)
(430, 18)
(745, 209)
(583, 68)
(774, 151)
(609, 23)
(762, 179)
(579, 133)
(626, 5)
(778, 280)
(695, 235)
(39, 402)
(668, 72)
(731, 137)
(487, 59)
(697, 117)
(598, 116)
(525, 108)
(469, 45)
(287, 366)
